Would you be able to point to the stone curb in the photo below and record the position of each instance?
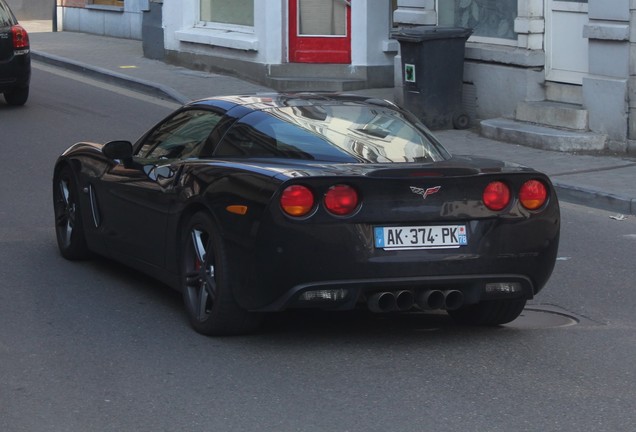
(596, 199)
(111, 76)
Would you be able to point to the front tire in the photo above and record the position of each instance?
(69, 228)
(208, 281)
(489, 313)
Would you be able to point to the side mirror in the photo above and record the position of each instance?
(122, 150)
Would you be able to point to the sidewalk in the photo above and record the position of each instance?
(606, 182)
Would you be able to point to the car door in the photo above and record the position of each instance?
(137, 198)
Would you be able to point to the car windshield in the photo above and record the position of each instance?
(343, 133)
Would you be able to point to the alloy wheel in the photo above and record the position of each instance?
(201, 287)
(66, 211)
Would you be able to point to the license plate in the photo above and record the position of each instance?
(420, 237)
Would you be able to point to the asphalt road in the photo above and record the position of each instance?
(93, 346)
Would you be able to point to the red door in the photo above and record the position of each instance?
(319, 31)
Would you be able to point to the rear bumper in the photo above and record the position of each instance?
(15, 73)
(344, 257)
(354, 292)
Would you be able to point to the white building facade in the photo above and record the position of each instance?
(288, 44)
(565, 63)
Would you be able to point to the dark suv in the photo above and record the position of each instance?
(15, 58)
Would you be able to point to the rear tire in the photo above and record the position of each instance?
(208, 282)
(17, 96)
(489, 313)
(69, 227)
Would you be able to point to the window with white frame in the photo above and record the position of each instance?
(322, 18)
(225, 12)
(491, 19)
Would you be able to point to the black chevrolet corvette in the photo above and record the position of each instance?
(253, 204)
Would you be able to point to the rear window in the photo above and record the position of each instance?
(6, 18)
(332, 133)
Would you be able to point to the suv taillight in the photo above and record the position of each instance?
(20, 37)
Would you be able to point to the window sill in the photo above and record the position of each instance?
(105, 8)
(216, 37)
(502, 54)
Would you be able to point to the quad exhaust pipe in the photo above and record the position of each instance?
(437, 299)
(430, 300)
(398, 301)
(391, 301)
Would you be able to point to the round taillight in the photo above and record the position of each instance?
(496, 196)
(533, 194)
(297, 200)
(341, 200)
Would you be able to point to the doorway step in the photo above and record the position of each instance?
(293, 77)
(559, 123)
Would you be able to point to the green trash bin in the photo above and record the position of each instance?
(433, 74)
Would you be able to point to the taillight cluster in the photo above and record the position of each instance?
(532, 195)
(339, 200)
(20, 37)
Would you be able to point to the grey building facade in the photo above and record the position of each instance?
(536, 65)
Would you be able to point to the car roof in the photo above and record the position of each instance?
(260, 101)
